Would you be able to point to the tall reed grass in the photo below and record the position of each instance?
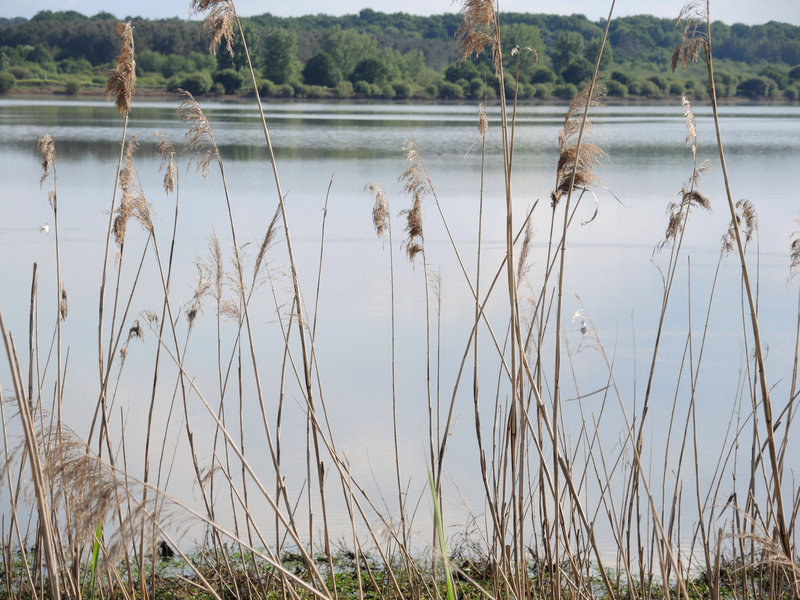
(90, 519)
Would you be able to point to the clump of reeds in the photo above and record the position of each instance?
(538, 493)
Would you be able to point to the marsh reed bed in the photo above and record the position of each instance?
(98, 515)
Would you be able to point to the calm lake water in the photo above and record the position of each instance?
(612, 272)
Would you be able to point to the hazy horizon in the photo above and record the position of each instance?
(729, 12)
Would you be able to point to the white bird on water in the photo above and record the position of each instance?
(44, 228)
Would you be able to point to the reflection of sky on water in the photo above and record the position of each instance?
(610, 273)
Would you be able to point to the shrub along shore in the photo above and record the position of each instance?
(398, 56)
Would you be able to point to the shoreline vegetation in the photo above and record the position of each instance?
(94, 518)
(398, 56)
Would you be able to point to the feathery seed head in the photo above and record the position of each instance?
(62, 302)
(199, 136)
(266, 243)
(133, 203)
(691, 129)
(166, 152)
(483, 121)
(794, 252)
(746, 221)
(122, 79)
(478, 29)
(523, 266)
(220, 15)
(380, 210)
(568, 161)
(694, 40)
(414, 243)
(417, 185)
(127, 181)
(696, 198)
(47, 149)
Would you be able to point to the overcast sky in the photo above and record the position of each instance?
(729, 11)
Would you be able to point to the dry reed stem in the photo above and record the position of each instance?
(692, 33)
(121, 84)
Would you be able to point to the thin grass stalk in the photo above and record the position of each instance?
(47, 147)
(192, 105)
(766, 403)
(516, 391)
(313, 333)
(559, 304)
(381, 218)
(121, 83)
(636, 456)
(33, 330)
(151, 408)
(251, 472)
(483, 124)
(793, 393)
(295, 279)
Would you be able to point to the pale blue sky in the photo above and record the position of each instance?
(729, 11)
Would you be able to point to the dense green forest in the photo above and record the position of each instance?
(398, 55)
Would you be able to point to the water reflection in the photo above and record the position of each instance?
(610, 261)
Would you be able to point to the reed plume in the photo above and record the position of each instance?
(483, 121)
(218, 21)
(417, 185)
(133, 203)
(590, 154)
(678, 212)
(380, 210)
(199, 136)
(62, 303)
(478, 30)
(694, 40)
(267, 241)
(121, 80)
(746, 221)
(47, 149)
(691, 126)
(794, 253)
(166, 152)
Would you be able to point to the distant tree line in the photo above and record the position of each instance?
(378, 55)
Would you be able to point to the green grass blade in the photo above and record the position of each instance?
(95, 554)
(437, 515)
